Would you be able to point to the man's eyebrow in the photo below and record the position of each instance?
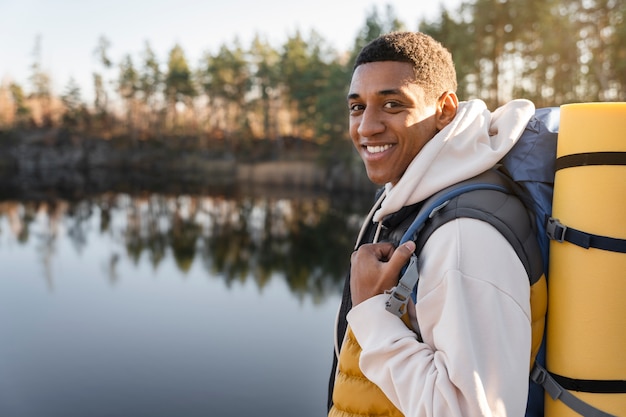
(389, 92)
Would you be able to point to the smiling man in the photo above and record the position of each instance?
(466, 349)
(392, 118)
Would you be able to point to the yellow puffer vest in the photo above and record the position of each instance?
(354, 394)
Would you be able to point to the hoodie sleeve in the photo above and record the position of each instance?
(473, 310)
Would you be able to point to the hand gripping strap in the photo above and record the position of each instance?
(541, 376)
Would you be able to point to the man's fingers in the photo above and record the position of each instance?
(382, 251)
(376, 268)
(401, 255)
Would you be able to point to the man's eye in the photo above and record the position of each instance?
(356, 107)
(391, 105)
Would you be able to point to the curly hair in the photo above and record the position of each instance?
(432, 62)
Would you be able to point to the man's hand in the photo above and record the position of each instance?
(376, 268)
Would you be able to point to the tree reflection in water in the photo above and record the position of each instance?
(305, 239)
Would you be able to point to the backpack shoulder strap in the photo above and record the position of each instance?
(489, 197)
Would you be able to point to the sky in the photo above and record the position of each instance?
(69, 30)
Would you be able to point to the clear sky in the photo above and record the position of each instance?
(70, 29)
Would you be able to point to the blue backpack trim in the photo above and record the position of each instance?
(442, 201)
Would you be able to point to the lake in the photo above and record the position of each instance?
(145, 303)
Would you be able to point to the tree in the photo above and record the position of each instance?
(41, 85)
(150, 85)
(128, 82)
(549, 64)
(497, 48)
(602, 50)
(332, 119)
(329, 81)
(493, 28)
(22, 111)
(294, 63)
(375, 25)
(128, 87)
(551, 52)
(264, 60)
(75, 111)
(101, 100)
(456, 33)
(303, 73)
(179, 88)
(617, 49)
(226, 79)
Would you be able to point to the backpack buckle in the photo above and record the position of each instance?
(538, 374)
(556, 230)
(400, 294)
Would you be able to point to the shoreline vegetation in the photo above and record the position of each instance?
(45, 162)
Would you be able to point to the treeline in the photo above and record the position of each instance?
(552, 52)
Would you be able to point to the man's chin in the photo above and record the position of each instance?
(377, 179)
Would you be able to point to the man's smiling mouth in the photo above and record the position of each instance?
(378, 148)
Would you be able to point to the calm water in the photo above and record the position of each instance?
(171, 305)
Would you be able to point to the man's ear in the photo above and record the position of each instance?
(447, 105)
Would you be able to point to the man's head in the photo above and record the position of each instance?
(401, 95)
(432, 63)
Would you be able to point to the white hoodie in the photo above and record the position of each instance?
(473, 299)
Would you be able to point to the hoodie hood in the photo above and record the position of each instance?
(472, 143)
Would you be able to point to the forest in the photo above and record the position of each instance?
(242, 96)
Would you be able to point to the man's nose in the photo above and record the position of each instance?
(371, 123)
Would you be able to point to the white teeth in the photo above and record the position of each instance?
(377, 149)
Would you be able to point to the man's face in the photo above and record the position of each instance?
(389, 121)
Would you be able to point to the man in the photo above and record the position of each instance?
(472, 308)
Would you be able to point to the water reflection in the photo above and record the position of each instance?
(171, 304)
(305, 239)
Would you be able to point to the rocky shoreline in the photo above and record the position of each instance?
(44, 162)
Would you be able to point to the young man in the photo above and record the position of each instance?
(472, 308)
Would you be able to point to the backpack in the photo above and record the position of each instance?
(527, 172)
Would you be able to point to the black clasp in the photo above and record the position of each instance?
(555, 229)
